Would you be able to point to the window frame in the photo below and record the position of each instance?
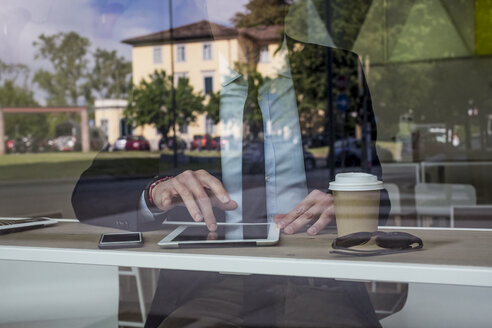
(154, 55)
(263, 56)
(210, 57)
(178, 47)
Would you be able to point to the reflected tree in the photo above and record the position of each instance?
(150, 102)
(110, 78)
(67, 54)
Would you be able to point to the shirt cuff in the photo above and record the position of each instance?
(144, 212)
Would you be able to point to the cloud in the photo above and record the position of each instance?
(221, 11)
(104, 22)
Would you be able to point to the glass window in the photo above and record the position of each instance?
(181, 50)
(207, 51)
(157, 55)
(105, 126)
(273, 99)
(208, 83)
(264, 55)
(183, 128)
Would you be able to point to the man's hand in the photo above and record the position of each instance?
(198, 191)
(317, 206)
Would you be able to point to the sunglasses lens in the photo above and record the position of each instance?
(397, 240)
(354, 239)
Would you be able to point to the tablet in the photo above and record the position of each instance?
(8, 225)
(198, 235)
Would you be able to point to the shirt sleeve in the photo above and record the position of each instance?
(144, 213)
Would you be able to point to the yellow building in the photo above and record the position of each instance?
(199, 49)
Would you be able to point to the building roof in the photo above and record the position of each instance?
(195, 31)
(205, 30)
(263, 33)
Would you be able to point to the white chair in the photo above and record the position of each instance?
(51, 295)
(436, 199)
(135, 272)
(394, 196)
(443, 306)
(473, 217)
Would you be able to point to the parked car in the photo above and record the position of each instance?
(68, 137)
(350, 150)
(136, 143)
(203, 142)
(169, 145)
(218, 143)
(119, 144)
(10, 146)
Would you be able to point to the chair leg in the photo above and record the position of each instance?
(141, 299)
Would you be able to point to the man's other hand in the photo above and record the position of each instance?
(198, 191)
(317, 207)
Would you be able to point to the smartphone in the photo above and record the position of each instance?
(121, 240)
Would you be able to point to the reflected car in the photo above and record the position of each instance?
(10, 146)
(136, 143)
(203, 142)
(120, 144)
(182, 145)
(350, 149)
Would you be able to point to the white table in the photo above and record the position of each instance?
(457, 257)
(450, 257)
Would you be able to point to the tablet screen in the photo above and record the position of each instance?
(199, 233)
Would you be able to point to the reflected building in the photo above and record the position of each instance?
(198, 50)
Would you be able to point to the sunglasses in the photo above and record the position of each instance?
(390, 242)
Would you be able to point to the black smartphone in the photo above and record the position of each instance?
(121, 240)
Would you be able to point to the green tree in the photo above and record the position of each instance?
(67, 53)
(14, 73)
(261, 12)
(17, 125)
(150, 102)
(212, 108)
(110, 77)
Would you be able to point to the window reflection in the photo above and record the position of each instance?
(284, 93)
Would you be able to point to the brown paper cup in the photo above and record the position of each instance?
(356, 211)
(356, 197)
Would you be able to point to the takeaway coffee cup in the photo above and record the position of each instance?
(356, 197)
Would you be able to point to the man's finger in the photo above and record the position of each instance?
(188, 199)
(212, 235)
(229, 206)
(299, 210)
(214, 185)
(311, 199)
(203, 200)
(206, 207)
(279, 217)
(304, 219)
(325, 218)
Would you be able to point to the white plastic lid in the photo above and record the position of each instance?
(355, 181)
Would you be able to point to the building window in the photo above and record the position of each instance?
(209, 125)
(207, 51)
(208, 83)
(181, 57)
(157, 55)
(183, 128)
(264, 55)
(180, 75)
(125, 128)
(105, 125)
